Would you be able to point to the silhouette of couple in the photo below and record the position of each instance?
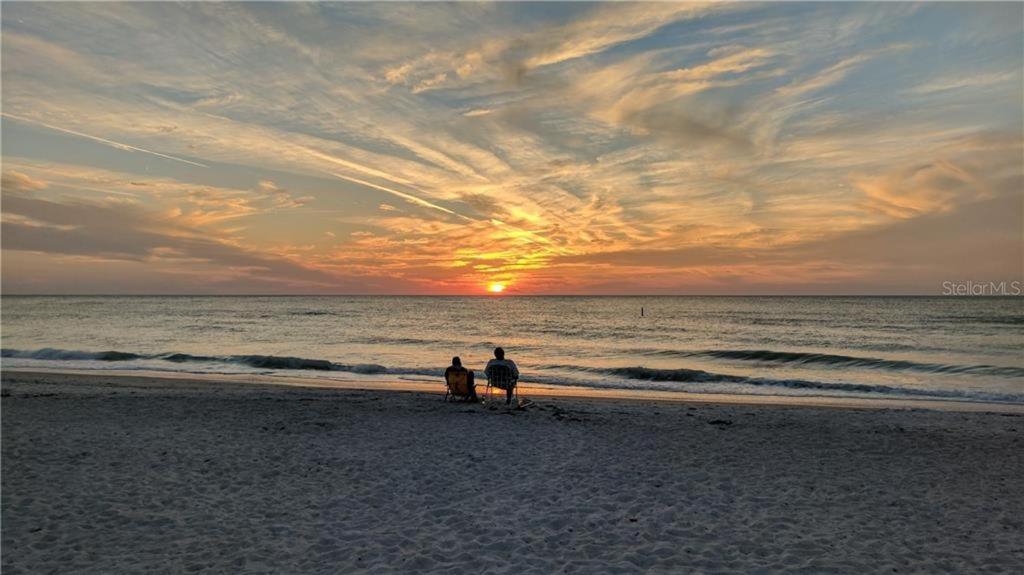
(500, 372)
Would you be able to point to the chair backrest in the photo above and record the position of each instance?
(500, 376)
(458, 382)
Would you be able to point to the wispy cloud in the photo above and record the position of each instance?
(961, 82)
(448, 145)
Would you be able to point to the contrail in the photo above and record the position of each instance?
(403, 195)
(111, 143)
(525, 234)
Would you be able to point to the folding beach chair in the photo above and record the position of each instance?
(458, 385)
(501, 377)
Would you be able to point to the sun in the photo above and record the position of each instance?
(496, 287)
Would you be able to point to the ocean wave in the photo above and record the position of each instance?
(256, 361)
(184, 357)
(980, 319)
(691, 376)
(363, 368)
(386, 340)
(843, 361)
(453, 345)
(670, 379)
(281, 362)
(70, 355)
(678, 375)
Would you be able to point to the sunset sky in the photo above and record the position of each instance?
(551, 148)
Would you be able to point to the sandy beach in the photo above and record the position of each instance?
(131, 475)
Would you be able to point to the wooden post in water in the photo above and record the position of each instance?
(641, 311)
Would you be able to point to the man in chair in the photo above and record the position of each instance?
(497, 364)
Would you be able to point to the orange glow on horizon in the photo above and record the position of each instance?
(496, 287)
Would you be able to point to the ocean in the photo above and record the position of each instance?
(953, 348)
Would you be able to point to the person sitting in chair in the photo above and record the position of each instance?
(499, 363)
(456, 368)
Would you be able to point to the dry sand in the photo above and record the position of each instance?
(111, 474)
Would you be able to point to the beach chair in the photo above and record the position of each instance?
(458, 385)
(501, 377)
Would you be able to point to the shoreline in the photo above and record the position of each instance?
(544, 391)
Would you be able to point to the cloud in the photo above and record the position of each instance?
(610, 25)
(279, 197)
(511, 56)
(128, 233)
(18, 182)
(974, 168)
(661, 103)
(937, 247)
(193, 204)
(824, 78)
(968, 82)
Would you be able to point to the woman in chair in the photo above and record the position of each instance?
(456, 368)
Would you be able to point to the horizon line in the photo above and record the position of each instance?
(507, 295)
